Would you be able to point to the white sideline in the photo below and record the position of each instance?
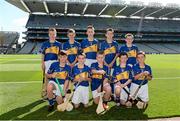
(163, 78)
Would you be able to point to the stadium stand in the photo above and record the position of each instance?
(8, 42)
(159, 33)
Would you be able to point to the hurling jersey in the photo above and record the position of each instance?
(110, 51)
(63, 73)
(98, 78)
(50, 50)
(81, 72)
(122, 74)
(132, 52)
(72, 50)
(90, 48)
(138, 70)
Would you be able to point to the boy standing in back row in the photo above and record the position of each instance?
(50, 50)
(130, 49)
(90, 46)
(71, 47)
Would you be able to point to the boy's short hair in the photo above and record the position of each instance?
(90, 27)
(71, 31)
(123, 54)
(52, 29)
(110, 29)
(62, 53)
(129, 35)
(141, 53)
(81, 54)
(100, 53)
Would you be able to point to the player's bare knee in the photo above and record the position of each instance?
(59, 100)
(117, 91)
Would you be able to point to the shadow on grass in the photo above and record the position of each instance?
(13, 114)
(114, 113)
(23, 113)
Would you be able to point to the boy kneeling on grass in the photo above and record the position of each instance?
(142, 74)
(81, 75)
(122, 79)
(100, 80)
(58, 71)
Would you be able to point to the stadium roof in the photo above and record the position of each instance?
(80, 7)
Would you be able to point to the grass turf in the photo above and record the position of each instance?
(22, 100)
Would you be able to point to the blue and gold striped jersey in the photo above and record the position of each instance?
(50, 50)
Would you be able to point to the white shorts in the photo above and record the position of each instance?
(81, 95)
(95, 93)
(142, 93)
(123, 95)
(88, 62)
(57, 90)
(48, 64)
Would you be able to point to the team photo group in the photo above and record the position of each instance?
(73, 71)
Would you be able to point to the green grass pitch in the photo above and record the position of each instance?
(20, 85)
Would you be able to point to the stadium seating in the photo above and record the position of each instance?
(27, 48)
(154, 34)
(7, 39)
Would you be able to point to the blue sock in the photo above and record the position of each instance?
(51, 101)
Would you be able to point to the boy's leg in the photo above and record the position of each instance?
(117, 89)
(95, 95)
(50, 96)
(76, 97)
(85, 96)
(144, 96)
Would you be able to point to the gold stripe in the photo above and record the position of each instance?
(124, 75)
(53, 49)
(97, 76)
(92, 48)
(132, 53)
(61, 75)
(110, 50)
(82, 75)
(72, 51)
